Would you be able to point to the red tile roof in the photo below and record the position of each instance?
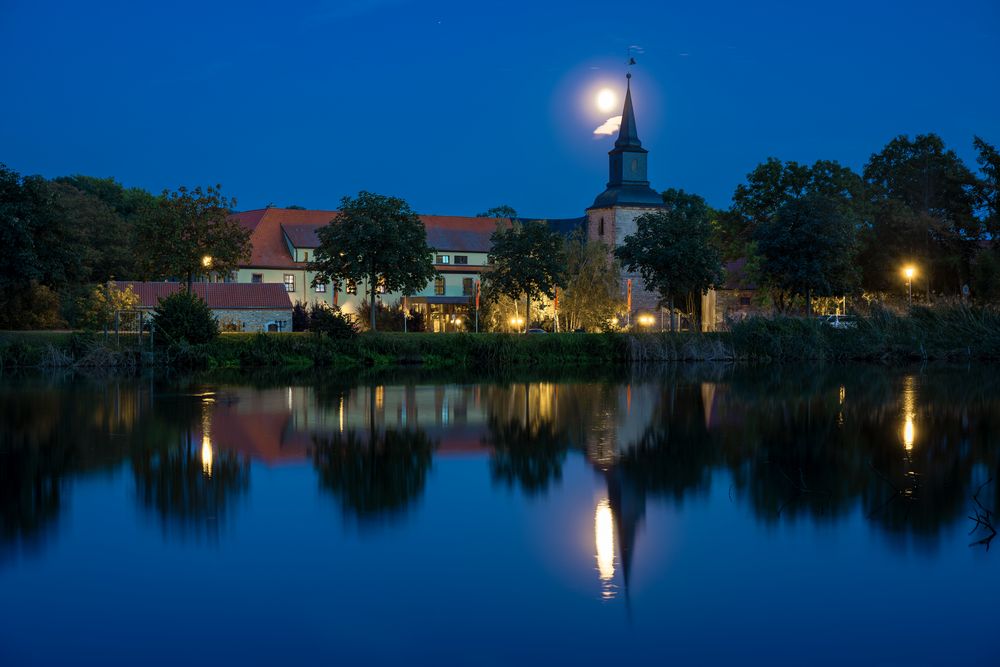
(218, 296)
(271, 226)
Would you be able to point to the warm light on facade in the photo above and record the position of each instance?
(645, 320)
(604, 539)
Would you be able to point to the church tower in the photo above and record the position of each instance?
(612, 215)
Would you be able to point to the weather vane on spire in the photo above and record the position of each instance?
(631, 61)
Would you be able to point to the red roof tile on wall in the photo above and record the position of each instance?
(218, 296)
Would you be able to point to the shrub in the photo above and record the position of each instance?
(332, 322)
(184, 316)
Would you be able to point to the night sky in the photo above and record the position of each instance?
(459, 106)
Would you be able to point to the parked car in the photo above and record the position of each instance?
(839, 321)
(536, 331)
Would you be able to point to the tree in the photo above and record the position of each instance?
(97, 309)
(592, 297)
(672, 249)
(527, 259)
(191, 232)
(923, 198)
(989, 188)
(378, 239)
(185, 316)
(808, 247)
(501, 212)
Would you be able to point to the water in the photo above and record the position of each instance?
(693, 515)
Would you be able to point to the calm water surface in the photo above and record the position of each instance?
(695, 515)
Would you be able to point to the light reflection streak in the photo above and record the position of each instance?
(909, 431)
(207, 455)
(604, 538)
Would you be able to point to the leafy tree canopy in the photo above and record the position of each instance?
(375, 238)
(808, 247)
(527, 259)
(673, 249)
(189, 233)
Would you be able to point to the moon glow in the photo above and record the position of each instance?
(606, 100)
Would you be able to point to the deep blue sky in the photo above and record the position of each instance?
(458, 106)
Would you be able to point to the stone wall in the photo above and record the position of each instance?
(247, 319)
(733, 304)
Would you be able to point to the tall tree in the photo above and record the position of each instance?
(527, 259)
(989, 188)
(673, 249)
(923, 198)
(191, 232)
(592, 296)
(378, 239)
(808, 248)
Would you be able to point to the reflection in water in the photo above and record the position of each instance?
(909, 411)
(788, 443)
(604, 538)
(206, 434)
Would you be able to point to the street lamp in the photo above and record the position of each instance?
(516, 322)
(908, 273)
(645, 320)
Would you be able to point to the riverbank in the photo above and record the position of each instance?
(955, 333)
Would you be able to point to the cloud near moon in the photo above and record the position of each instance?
(609, 127)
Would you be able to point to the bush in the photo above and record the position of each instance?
(97, 309)
(184, 316)
(332, 322)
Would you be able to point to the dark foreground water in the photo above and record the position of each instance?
(700, 515)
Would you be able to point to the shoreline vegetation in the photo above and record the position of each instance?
(943, 333)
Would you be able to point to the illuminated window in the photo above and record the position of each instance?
(439, 286)
(444, 259)
(305, 256)
(289, 282)
(381, 286)
(467, 286)
(352, 287)
(320, 287)
(461, 259)
(256, 277)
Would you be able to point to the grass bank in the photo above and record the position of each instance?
(945, 334)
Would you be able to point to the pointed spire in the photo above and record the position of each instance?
(627, 135)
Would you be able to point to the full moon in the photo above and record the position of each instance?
(606, 99)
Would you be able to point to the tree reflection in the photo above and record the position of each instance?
(376, 474)
(173, 482)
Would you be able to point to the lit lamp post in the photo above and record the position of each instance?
(908, 273)
(516, 322)
(645, 320)
(206, 263)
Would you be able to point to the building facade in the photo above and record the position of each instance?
(284, 241)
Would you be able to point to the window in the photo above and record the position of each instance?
(352, 287)
(600, 227)
(744, 301)
(305, 256)
(320, 287)
(439, 286)
(467, 286)
(256, 277)
(289, 282)
(444, 259)
(461, 259)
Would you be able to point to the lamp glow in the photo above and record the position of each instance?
(206, 261)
